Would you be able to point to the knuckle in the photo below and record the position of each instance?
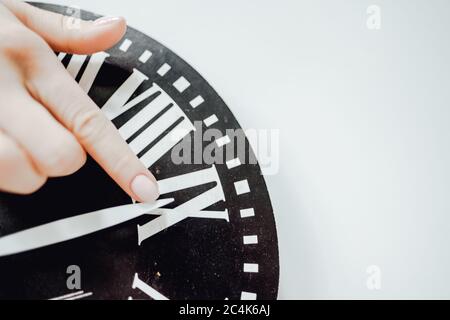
(22, 48)
(64, 157)
(31, 186)
(6, 156)
(89, 125)
(17, 39)
(12, 161)
(122, 164)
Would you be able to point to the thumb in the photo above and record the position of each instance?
(69, 34)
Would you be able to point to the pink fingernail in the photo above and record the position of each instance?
(145, 189)
(107, 20)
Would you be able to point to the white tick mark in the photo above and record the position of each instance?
(145, 56)
(251, 267)
(164, 69)
(248, 295)
(250, 239)
(241, 187)
(125, 45)
(245, 213)
(233, 163)
(210, 120)
(181, 84)
(223, 141)
(196, 102)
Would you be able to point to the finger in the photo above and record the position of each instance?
(53, 86)
(69, 34)
(52, 148)
(16, 171)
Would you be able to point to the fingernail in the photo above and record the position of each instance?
(107, 20)
(145, 189)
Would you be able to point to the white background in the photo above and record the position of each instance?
(364, 119)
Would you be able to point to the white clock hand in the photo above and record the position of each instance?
(74, 227)
(203, 214)
(169, 217)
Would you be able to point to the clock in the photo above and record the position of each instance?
(224, 243)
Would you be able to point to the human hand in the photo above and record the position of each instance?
(47, 122)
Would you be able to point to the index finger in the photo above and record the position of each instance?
(52, 85)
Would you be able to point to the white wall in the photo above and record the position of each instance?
(364, 118)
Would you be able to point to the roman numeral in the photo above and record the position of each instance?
(173, 117)
(92, 69)
(153, 122)
(189, 208)
(116, 104)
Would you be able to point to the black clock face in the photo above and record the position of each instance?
(228, 250)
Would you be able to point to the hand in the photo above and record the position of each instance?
(47, 123)
(74, 227)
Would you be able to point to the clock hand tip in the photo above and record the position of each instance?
(158, 204)
(164, 202)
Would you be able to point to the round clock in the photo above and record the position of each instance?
(223, 243)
